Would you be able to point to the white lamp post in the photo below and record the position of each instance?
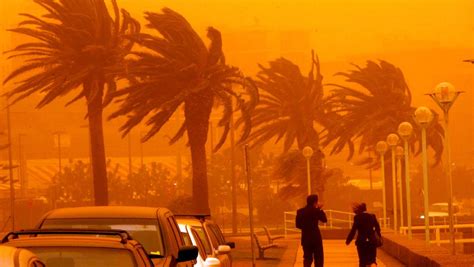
(424, 116)
(382, 148)
(405, 130)
(392, 141)
(444, 95)
(400, 153)
(308, 153)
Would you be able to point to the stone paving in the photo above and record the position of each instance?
(289, 253)
(337, 254)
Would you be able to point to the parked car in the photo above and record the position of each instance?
(18, 257)
(155, 228)
(440, 209)
(191, 237)
(80, 248)
(213, 240)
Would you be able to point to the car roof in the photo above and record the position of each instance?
(66, 241)
(106, 212)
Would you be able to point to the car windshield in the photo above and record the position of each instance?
(84, 256)
(145, 231)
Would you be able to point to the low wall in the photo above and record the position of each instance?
(416, 253)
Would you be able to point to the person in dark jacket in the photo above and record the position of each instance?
(307, 219)
(364, 224)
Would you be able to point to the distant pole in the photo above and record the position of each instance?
(399, 153)
(381, 148)
(445, 95)
(423, 116)
(22, 167)
(425, 186)
(10, 167)
(59, 153)
(179, 172)
(405, 130)
(392, 140)
(129, 154)
(232, 174)
(141, 150)
(250, 200)
(370, 173)
(308, 153)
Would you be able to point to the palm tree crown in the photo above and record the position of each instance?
(177, 68)
(75, 42)
(289, 105)
(76, 45)
(371, 113)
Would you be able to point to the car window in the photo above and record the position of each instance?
(199, 244)
(174, 226)
(217, 233)
(214, 239)
(84, 256)
(205, 241)
(145, 231)
(187, 239)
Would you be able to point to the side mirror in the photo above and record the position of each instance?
(212, 262)
(231, 244)
(187, 253)
(223, 249)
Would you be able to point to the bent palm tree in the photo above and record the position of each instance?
(290, 105)
(178, 69)
(78, 46)
(369, 115)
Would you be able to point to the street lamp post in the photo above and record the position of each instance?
(405, 130)
(423, 117)
(10, 167)
(308, 153)
(400, 153)
(445, 95)
(382, 148)
(392, 141)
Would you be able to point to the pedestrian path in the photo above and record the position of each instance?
(337, 254)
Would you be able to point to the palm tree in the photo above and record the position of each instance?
(177, 69)
(374, 110)
(290, 105)
(78, 47)
(369, 115)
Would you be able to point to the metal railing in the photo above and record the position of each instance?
(336, 220)
(438, 229)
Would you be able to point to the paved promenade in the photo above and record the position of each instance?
(337, 254)
(289, 253)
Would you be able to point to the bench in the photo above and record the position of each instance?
(270, 237)
(262, 248)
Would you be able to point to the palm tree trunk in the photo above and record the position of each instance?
(197, 112)
(99, 168)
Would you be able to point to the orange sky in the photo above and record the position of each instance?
(428, 39)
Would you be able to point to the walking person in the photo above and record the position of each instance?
(367, 228)
(307, 219)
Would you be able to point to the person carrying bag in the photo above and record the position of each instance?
(368, 235)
